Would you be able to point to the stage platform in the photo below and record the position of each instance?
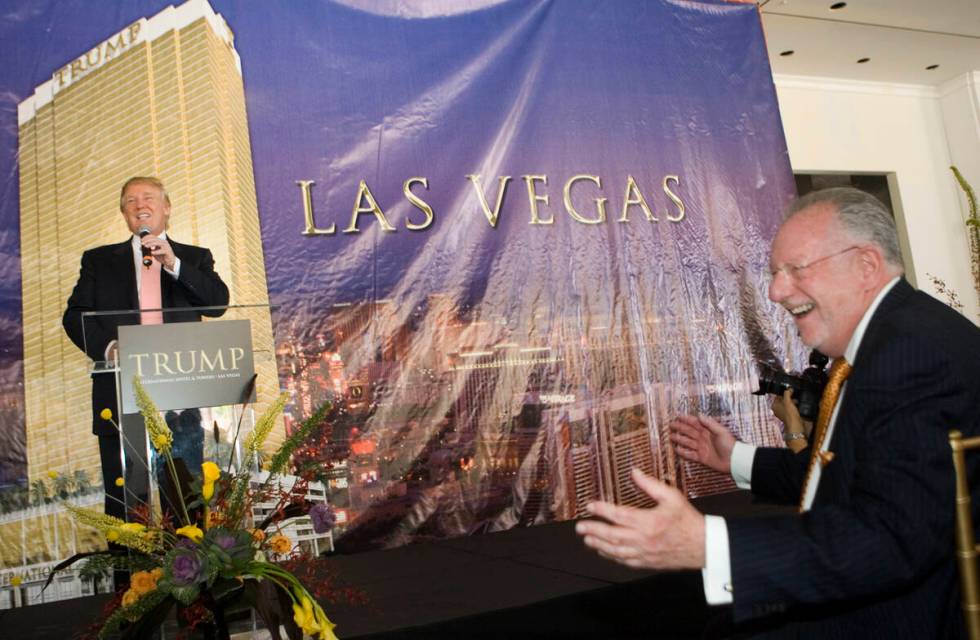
(523, 583)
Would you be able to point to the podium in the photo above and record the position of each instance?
(200, 375)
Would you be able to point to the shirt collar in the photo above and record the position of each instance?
(136, 237)
(135, 241)
(852, 347)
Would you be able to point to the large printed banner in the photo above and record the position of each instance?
(514, 242)
(506, 241)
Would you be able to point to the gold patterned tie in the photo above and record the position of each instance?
(839, 371)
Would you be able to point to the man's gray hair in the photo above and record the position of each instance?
(862, 216)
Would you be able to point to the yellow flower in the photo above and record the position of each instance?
(129, 598)
(16, 581)
(304, 616)
(142, 582)
(133, 527)
(280, 543)
(120, 482)
(309, 616)
(52, 474)
(323, 622)
(112, 535)
(211, 473)
(191, 531)
(258, 535)
(162, 442)
(106, 414)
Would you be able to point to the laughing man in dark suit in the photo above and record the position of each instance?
(110, 280)
(871, 551)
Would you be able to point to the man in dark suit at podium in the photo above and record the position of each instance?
(143, 274)
(871, 550)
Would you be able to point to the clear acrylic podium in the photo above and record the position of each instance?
(203, 429)
(180, 375)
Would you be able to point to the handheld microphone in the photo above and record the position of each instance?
(147, 256)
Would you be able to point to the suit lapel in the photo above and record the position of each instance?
(894, 299)
(122, 263)
(167, 283)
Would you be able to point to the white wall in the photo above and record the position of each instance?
(843, 126)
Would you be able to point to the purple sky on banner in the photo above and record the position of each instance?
(624, 90)
(556, 89)
(614, 89)
(648, 90)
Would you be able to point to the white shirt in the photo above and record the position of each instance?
(717, 571)
(138, 262)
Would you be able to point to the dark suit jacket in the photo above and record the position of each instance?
(107, 282)
(875, 554)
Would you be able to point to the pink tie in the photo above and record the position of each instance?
(150, 294)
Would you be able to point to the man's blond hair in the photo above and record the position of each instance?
(156, 182)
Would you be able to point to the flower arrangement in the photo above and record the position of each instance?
(214, 554)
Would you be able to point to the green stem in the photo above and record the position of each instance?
(285, 580)
(176, 483)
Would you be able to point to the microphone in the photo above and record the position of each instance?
(147, 256)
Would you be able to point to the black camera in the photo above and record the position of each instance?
(807, 387)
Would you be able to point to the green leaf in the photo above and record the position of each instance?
(186, 595)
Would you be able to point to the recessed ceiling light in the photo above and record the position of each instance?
(837, 6)
(932, 66)
(863, 60)
(788, 52)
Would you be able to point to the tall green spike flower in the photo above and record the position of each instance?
(160, 435)
(129, 534)
(255, 440)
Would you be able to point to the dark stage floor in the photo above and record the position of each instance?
(523, 583)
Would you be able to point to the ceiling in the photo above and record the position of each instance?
(900, 38)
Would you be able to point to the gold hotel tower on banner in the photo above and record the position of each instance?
(164, 96)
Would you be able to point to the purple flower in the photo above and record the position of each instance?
(225, 540)
(186, 568)
(323, 517)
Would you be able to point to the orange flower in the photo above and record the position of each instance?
(258, 535)
(130, 598)
(142, 582)
(280, 543)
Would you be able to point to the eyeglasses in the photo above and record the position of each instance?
(796, 271)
